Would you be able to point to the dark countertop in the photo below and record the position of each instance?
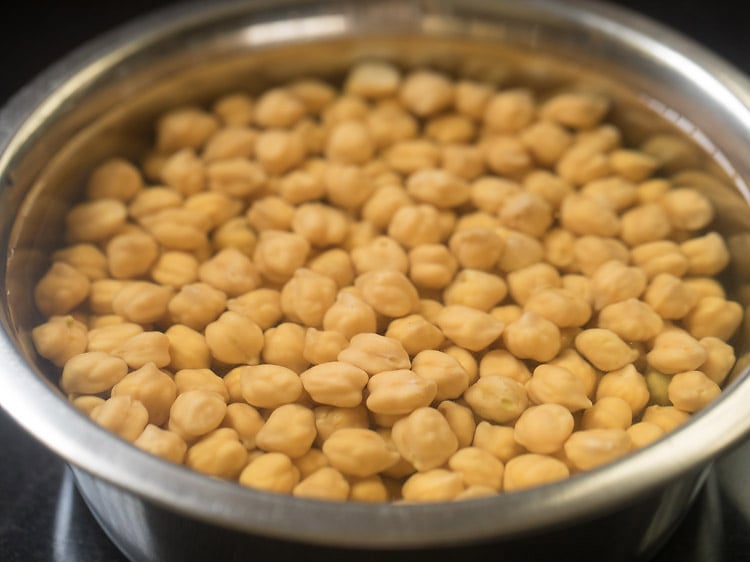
(42, 517)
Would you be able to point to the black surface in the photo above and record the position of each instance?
(42, 518)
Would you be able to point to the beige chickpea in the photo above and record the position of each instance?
(382, 252)
(390, 123)
(115, 178)
(60, 290)
(465, 358)
(497, 398)
(245, 420)
(669, 296)
(329, 419)
(143, 348)
(477, 467)
(262, 305)
(200, 379)
(349, 315)
(342, 108)
(92, 372)
(359, 452)
(450, 128)
(526, 212)
(509, 111)
(584, 215)
(162, 443)
(414, 225)
(476, 289)
(435, 485)
(588, 449)
(691, 391)
(175, 269)
(195, 413)
(314, 93)
(178, 228)
(371, 489)
(234, 109)
(546, 141)
(310, 462)
(289, 429)
(384, 203)
(86, 258)
(472, 97)
(233, 141)
(577, 110)
(399, 392)
(283, 345)
(579, 285)
(110, 337)
(614, 193)
(142, 302)
(507, 313)
(489, 193)
(347, 186)
(278, 107)
(184, 127)
(609, 412)
(644, 433)
(461, 421)
(234, 339)
(498, 440)
(196, 305)
(234, 177)
(219, 454)
(631, 319)
(320, 224)
(705, 287)
(270, 213)
(530, 470)
(686, 208)
(336, 384)
(614, 282)
(349, 142)
(184, 171)
(582, 163)
(335, 263)
(361, 233)
(506, 155)
(651, 190)
(388, 292)
(464, 161)
(476, 248)
(269, 386)
(522, 283)
(519, 251)
(152, 200)
(424, 438)
(668, 418)
(604, 349)
(592, 251)
(307, 296)
(571, 360)
(412, 155)
(447, 373)
(272, 472)
(301, 186)
(553, 384)
(323, 346)
(543, 429)
(502, 362)
(373, 79)
(60, 338)
(415, 333)
(532, 337)
(426, 92)
(633, 164)
(279, 254)
(438, 187)
(560, 306)
(675, 351)
(431, 266)
(627, 384)
(326, 483)
(231, 272)
(706, 255)
(375, 353)
(720, 359)
(122, 415)
(645, 223)
(468, 327)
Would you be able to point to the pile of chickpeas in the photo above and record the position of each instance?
(408, 287)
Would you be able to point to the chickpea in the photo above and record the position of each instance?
(349, 142)
(593, 251)
(161, 443)
(560, 306)
(604, 349)
(388, 292)
(415, 333)
(233, 141)
(706, 255)
(320, 224)
(461, 421)
(609, 412)
(532, 337)
(476, 289)
(449, 376)
(426, 92)
(498, 440)
(570, 359)
(336, 384)
(633, 164)
(272, 472)
(278, 107)
(691, 391)
(184, 172)
(431, 266)
(60, 338)
(522, 283)
(143, 348)
(686, 208)
(334, 263)
(527, 213)
(507, 313)
(669, 296)
(468, 327)
(584, 215)
(476, 248)
(347, 186)
(123, 416)
(520, 251)
(178, 228)
(315, 94)
(326, 483)
(502, 362)
(705, 287)
(478, 468)
(218, 454)
(329, 419)
(506, 156)
(645, 223)
(497, 398)
(112, 336)
(720, 359)
(270, 213)
(543, 429)
(590, 448)
(373, 79)
(644, 433)
(509, 111)
(359, 452)
(175, 269)
(269, 386)
(546, 141)
(231, 272)
(283, 345)
(414, 225)
(375, 353)
(615, 282)
(196, 305)
(195, 413)
(433, 485)
(60, 290)
(409, 156)
(323, 346)
(263, 306)
(152, 200)
(399, 392)
(311, 461)
(631, 319)
(464, 161)
(234, 339)
(380, 253)
(675, 351)
(361, 233)
(553, 384)
(184, 127)
(530, 470)
(471, 98)
(371, 489)
(438, 187)
(85, 258)
(465, 358)
(307, 296)
(245, 420)
(234, 109)
(92, 372)
(668, 418)
(289, 429)
(389, 124)
(349, 315)
(115, 178)
(279, 254)
(424, 438)
(627, 384)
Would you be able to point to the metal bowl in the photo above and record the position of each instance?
(101, 100)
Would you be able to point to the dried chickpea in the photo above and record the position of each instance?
(375, 353)
(329, 419)
(498, 440)
(489, 193)
(184, 127)
(162, 443)
(278, 107)
(461, 421)
(625, 383)
(644, 433)
(675, 351)
(502, 362)
(449, 376)
(60, 290)
(553, 384)
(115, 178)
(450, 128)
(335, 384)
(283, 345)
(560, 306)
(218, 454)
(245, 420)
(686, 208)
(153, 200)
(414, 225)
(590, 448)
(60, 338)
(196, 305)
(706, 255)
(200, 379)
(424, 438)
(110, 337)
(307, 296)
(438, 187)
(669, 296)
(262, 305)
(507, 313)
(519, 251)
(326, 483)
(279, 254)
(195, 413)
(175, 269)
(122, 415)
(142, 302)
(720, 359)
(426, 92)
(388, 292)
(178, 228)
(86, 258)
(232, 141)
(433, 485)
(380, 253)
(532, 337)
(580, 367)
(522, 283)
(476, 248)
(464, 161)
(359, 452)
(270, 213)
(526, 212)
(468, 327)
(530, 470)
(92, 372)
(415, 333)
(465, 358)
(143, 348)
(631, 319)
(609, 412)
(323, 346)
(645, 223)
(349, 142)
(320, 224)
(431, 266)
(269, 386)
(234, 339)
(668, 418)
(604, 349)
(506, 156)
(349, 315)
(583, 162)
(592, 251)
(347, 186)
(615, 282)
(543, 429)
(546, 141)
(690, 391)
(95, 220)
(272, 472)
(373, 79)
(230, 271)
(334, 263)
(497, 398)
(289, 429)
(584, 215)
(184, 172)
(310, 462)
(399, 392)
(478, 468)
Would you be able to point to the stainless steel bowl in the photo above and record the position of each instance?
(100, 100)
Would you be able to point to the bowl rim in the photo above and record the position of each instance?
(179, 489)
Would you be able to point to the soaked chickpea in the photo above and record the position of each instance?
(402, 288)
